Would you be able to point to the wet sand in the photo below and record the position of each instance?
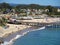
(8, 38)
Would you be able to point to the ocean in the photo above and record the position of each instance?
(48, 36)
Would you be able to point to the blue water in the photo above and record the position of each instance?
(48, 36)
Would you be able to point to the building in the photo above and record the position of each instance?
(58, 10)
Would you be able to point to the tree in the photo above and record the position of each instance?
(52, 10)
(5, 5)
(3, 21)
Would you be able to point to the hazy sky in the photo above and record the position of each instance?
(41, 2)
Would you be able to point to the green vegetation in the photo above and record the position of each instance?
(52, 10)
(31, 6)
(3, 21)
(4, 6)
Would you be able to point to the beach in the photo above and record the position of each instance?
(15, 31)
(11, 29)
(10, 37)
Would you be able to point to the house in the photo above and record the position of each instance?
(58, 10)
(28, 12)
(46, 10)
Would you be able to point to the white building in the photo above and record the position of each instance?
(28, 11)
(46, 10)
(58, 10)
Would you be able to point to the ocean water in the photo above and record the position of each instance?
(48, 36)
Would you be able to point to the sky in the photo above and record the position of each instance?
(40, 2)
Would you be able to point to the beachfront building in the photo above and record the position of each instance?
(33, 12)
(28, 12)
(46, 10)
(22, 10)
(13, 11)
(40, 11)
(58, 10)
(36, 11)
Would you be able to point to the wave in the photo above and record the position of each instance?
(19, 36)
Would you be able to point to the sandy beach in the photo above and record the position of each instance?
(14, 32)
(11, 32)
(11, 29)
(9, 40)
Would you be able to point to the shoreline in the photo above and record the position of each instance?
(19, 35)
